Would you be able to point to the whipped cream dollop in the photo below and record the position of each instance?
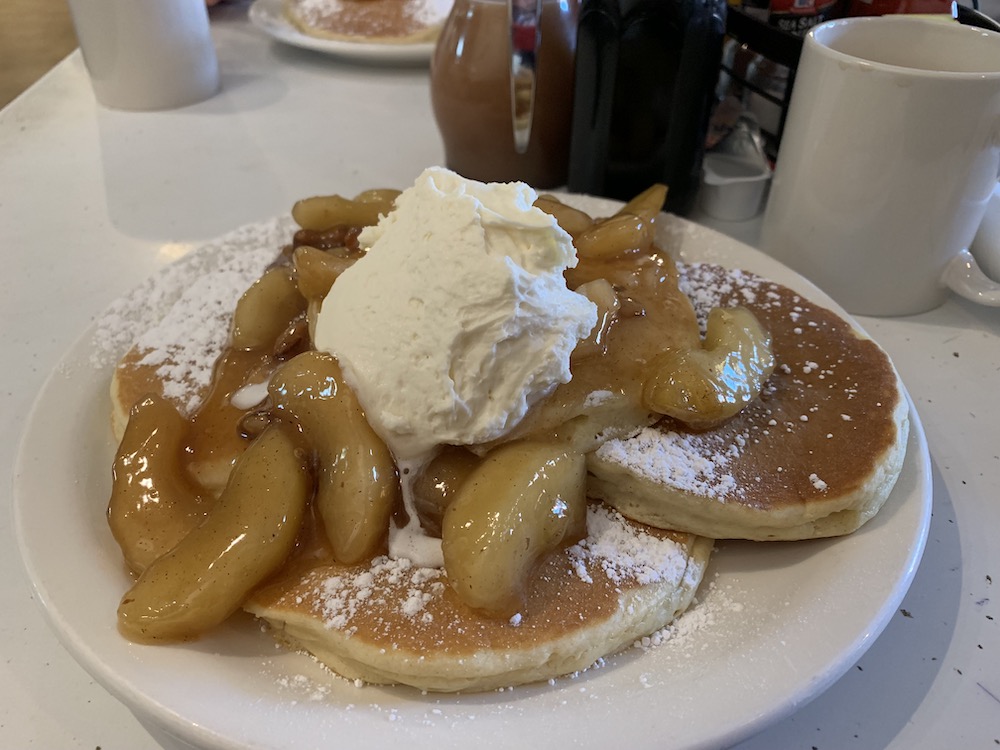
(458, 318)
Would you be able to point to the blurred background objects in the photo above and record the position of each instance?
(34, 36)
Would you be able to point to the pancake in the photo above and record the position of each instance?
(392, 623)
(815, 456)
(376, 21)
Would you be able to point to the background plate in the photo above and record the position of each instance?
(267, 16)
(774, 626)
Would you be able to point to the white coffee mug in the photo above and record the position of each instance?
(890, 154)
(147, 54)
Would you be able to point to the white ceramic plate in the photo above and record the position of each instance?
(267, 16)
(776, 624)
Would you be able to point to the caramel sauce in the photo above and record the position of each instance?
(214, 439)
(654, 315)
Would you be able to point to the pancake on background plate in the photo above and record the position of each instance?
(376, 21)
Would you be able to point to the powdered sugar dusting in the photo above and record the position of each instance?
(344, 596)
(706, 612)
(180, 318)
(625, 552)
(419, 13)
(303, 685)
(689, 462)
(706, 289)
(818, 483)
(430, 12)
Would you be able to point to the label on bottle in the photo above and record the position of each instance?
(798, 16)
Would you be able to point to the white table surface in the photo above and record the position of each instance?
(94, 201)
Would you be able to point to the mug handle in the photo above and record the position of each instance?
(963, 274)
(964, 277)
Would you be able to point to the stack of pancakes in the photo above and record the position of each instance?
(816, 455)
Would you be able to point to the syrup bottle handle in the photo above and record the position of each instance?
(523, 18)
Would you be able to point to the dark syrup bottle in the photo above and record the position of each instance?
(645, 81)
